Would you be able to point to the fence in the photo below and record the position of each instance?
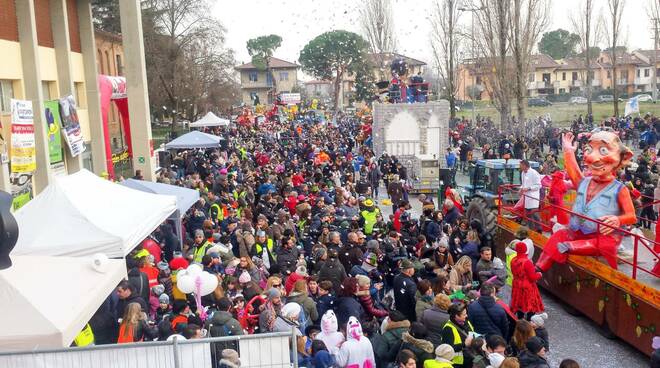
(256, 351)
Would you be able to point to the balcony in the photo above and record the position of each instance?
(623, 81)
(576, 83)
(643, 81)
(595, 83)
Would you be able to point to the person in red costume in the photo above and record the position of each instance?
(525, 297)
(556, 196)
(599, 196)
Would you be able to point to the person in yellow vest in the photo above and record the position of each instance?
(369, 216)
(263, 248)
(444, 355)
(85, 337)
(200, 246)
(458, 332)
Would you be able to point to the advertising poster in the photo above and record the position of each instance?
(22, 151)
(71, 125)
(53, 123)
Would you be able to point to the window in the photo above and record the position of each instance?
(254, 77)
(624, 74)
(562, 90)
(81, 98)
(478, 79)
(6, 94)
(284, 76)
(107, 63)
(253, 96)
(574, 76)
(546, 77)
(609, 74)
(100, 61)
(647, 73)
(592, 75)
(119, 65)
(563, 76)
(531, 77)
(637, 73)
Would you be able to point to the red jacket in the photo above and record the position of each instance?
(525, 296)
(368, 305)
(288, 284)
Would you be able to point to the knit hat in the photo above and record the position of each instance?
(371, 259)
(163, 266)
(244, 278)
(496, 359)
(498, 264)
(406, 264)
(164, 299)
(273, 293)
(539, 319)
(363, 281)
(444, 351)
(534, 344)
(261, 233)
(521, 248)
(231, 355)
(302, 270)
(372, 244)
(198, 232)
(291, 310)
(158, 289)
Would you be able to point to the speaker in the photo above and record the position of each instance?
(164, 159)
(446, 180)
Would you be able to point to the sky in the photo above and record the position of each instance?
(299, 21)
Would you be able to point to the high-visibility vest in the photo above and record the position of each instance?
(219, 210)
(269, 247)
(458, 358)
(509, 274)
(85, 337)
(432, 363)
(238, 195)
(370, 220)
(200, 252)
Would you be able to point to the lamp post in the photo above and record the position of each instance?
(472, 52)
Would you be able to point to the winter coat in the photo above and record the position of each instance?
(424, 302)
(531, 360)
(434, 319)
(224, 324)
(140, 282)
(325, 303)
(332, 270)
(542, 333)
(389, 343)
(487, 317)
(287, 259)
(368, 305)
(245, 241)
(525, 296)
(122, 303)
(346, 307)
(307, 304)
(404, 296)
(423, 349)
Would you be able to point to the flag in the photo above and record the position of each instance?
(632, 106)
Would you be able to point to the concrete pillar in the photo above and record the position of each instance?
(27, 36)
(88, 48)
(136, 86)
(59, 21)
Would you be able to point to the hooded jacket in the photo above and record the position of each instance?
(388, 347)
(307, 304)
(224, 324)
(530, 360)
(356, 351)
(329, 334)
(332, 270)
(368, 305)
(423, 349)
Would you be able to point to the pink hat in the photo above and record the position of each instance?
(223, 171)
(244, 278)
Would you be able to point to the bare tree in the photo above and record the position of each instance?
(493, 44)
(653, 11)
(612, 29)
(589, 31)
(444, 44)
(528, 19)
(377, 24)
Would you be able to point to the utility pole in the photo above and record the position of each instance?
(654, 81)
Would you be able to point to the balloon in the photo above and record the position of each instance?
(195, 269)
(209, 283)
(185, 283)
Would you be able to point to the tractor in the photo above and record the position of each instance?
(481, 194)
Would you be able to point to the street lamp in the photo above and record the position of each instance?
(472, 10)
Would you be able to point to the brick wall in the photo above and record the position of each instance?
(74, 33)
(8, 21)
(44, 28)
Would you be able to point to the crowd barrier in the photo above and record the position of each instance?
(256, 351)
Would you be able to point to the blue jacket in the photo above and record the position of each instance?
(451, 159)
(488, 318)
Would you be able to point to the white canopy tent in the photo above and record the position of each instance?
(209, 120)
(82, 214)
(195, 139)
(185, 198)
(46, 301)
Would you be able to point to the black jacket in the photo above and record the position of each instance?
(140, 282)
(332, 270)
(488, 318)
(224, 324)
(122, 303)
(530, 360)
(346, 307)
(404, 296)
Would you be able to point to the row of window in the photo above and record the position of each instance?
(623, 74)
(254, 77)
(48, 89)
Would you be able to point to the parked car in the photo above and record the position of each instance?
(538, 102)
(644, 98)
(605, 98)
(577, 100)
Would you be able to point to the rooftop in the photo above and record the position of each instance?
(389, 56)
(274, 63)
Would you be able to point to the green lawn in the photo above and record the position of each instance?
(563, 113)
(160, 134)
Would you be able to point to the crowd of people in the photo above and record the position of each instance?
(290, 223)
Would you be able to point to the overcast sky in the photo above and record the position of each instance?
(299, 21)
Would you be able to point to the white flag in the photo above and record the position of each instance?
(632, 106)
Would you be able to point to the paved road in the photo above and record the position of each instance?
(570, 337)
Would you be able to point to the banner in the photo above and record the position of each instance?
(22, 151)
(290, 98)
(53, 122)
(632, 106)
(71, 125)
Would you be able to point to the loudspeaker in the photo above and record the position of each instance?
(446, 180)
(164, 159)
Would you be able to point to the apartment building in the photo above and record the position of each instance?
(256, 83)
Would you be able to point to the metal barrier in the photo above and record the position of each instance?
(256, 351)
(638, 239)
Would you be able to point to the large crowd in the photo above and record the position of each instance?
(290, 221)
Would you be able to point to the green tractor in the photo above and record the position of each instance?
(481, 194)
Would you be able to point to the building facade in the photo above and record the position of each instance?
(566, 76)
(110, 61)
(319, 89)
(259, 84)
